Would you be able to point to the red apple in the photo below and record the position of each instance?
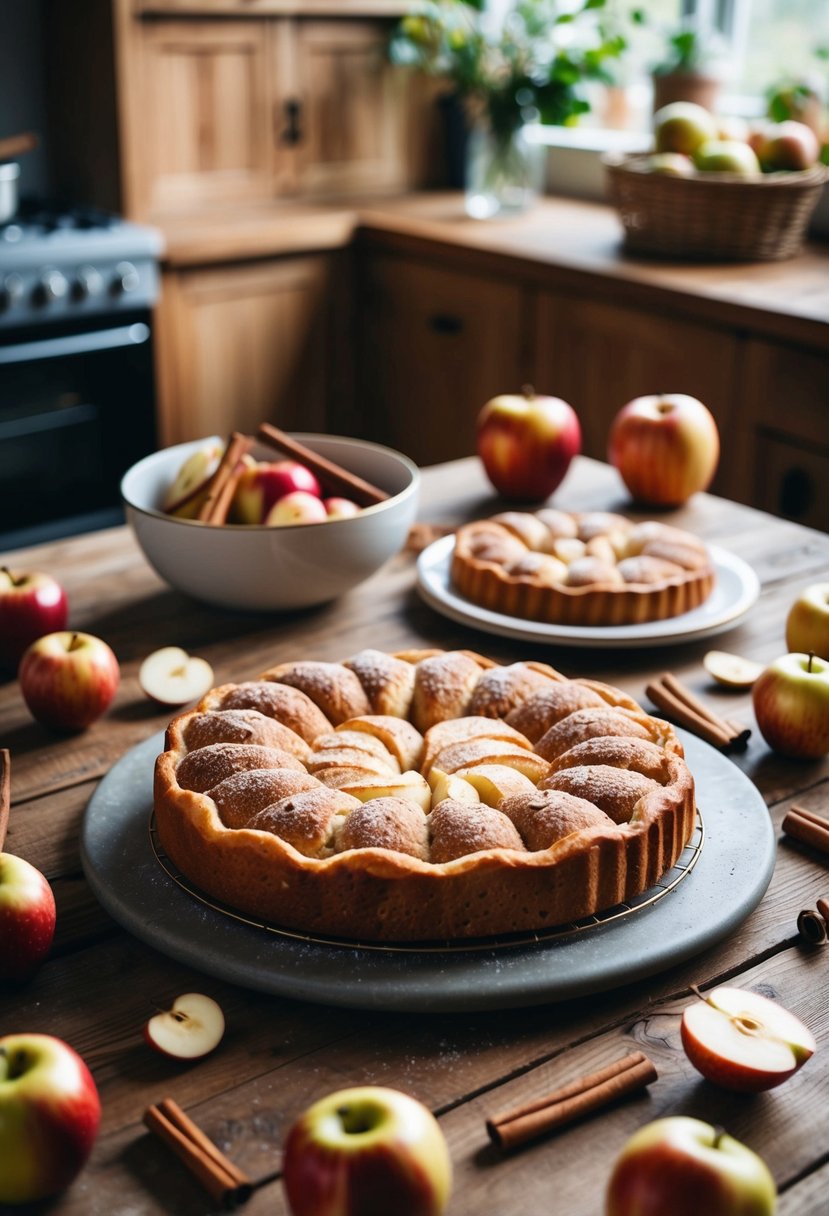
(68, 679)
(666, 447)
(807, 625)
(367, 1150)
(340, 508)
(190, 1029)
(263, 483)
(743, 1041)
(49, 1116)
(27, 918)
(298, 507)
(682, 126)
(791, 704)
(526, 444)
(726, 156)
(30, 605)
(679, 1166)
(788, 145)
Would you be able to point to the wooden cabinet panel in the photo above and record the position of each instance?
(203, 114)
(243, 344)
(435, 344)
(599, 356)
(350, 125)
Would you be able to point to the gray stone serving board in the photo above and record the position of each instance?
(729, 879)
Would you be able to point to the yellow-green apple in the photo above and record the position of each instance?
(362, 1151)
(807, 625)
(190, 1029)
(68, 679)
(726, 156)
(30, 605)
(173, 677)
(526, 443)
(186, 492)
(666, 447)
(264, 483)
(791, 705)
(299, 507)
(340, 508)
(732, 126)
(743, 1041)
(674, 164)
(788, 145)
(49, 1116)
(682, 126)
(27, 918)
(680, 1166)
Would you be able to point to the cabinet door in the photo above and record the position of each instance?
(599, 356)
(203, 114)
(239, 345)
(435, 344)
(347, 115)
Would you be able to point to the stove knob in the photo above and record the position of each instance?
(51, 285)
(11, 289)
(87, 283)
(126, 278)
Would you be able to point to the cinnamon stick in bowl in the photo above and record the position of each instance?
(333, 475)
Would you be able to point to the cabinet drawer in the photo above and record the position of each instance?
(791, 480)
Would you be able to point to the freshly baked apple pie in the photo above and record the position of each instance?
(419, 796)
(591, 568)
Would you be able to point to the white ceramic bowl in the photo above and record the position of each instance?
(262, 568)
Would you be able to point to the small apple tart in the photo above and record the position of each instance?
(587, 568)
(429, 795)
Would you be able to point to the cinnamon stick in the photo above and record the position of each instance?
(223, 1181)
(739, 733)
(223, 483)
(336, 477)
(808, 828)
(5, 792)
(512, 1128)
(698, 724)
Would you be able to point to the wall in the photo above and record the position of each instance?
(23, 87)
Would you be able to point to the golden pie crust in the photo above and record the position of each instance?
(585, 568)
(428, 795)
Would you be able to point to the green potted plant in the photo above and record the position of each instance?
(528, 65)
(685, 73)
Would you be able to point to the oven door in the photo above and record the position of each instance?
(76, 410)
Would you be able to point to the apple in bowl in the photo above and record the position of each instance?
(526, 443)
(665, 447)
(678, 1166)
(364, 1150)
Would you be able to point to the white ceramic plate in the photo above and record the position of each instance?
(735, 591)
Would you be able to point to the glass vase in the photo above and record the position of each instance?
(503, 171)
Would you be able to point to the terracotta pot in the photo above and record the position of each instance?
(685, 86)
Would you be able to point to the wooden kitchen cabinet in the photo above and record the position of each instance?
(247, 343)
(434, 345)
(598, 356)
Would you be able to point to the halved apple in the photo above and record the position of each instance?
(731, 669)
(173, 677)
(191, 479)
(743, 1041)
(192, 1028)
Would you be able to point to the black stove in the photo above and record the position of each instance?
(77, 288)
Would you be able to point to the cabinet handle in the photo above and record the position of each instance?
(445, 323)
(796, 494)
(292, 113)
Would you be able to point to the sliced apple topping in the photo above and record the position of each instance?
(731, 669)
(192, 1028)
(173, 677)
(192, 477)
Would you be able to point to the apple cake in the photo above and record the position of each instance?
(420, 796)
(584, 568)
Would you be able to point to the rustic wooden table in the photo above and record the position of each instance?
(101, 984)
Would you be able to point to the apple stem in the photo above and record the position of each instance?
(529, 391)
(809, 664)
(15, 582)
(74, 642)
(719, 1132)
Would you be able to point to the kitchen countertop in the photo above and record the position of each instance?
(101, 984)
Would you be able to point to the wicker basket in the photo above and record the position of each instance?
(715, 216)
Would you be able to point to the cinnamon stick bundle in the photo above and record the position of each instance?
(223, 483)
(672, 697)
(512, 1128)
(333, 475)
(5, 792)
(808, 828)
(223, 1181)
